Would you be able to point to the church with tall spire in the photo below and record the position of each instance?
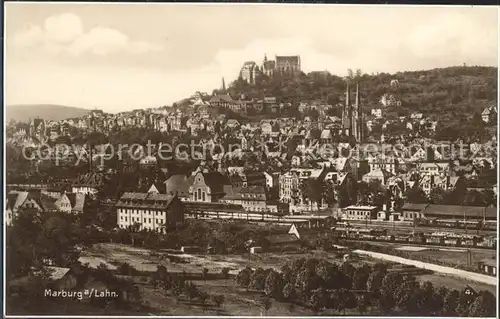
(223, 87)
(352, 115)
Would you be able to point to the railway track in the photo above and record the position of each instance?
(425, 229)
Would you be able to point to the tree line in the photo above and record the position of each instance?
(321, 285)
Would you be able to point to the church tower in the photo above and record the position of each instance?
(352, 115)
(347, 113)
(358, 116)
(223, 88)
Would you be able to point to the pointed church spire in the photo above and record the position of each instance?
(347, 111)
(223, 84)
(348, 95)
(359, 115)
(357, 96)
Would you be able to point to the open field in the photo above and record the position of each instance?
(237, 301)
(453, 255)
(454, 283)
(143, 259)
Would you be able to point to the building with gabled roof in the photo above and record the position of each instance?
(151, 211)
(208, 187)
(489, 114)
(178, 184)
(18, 200)
(378, 174)
(88, 183)
(252, 198)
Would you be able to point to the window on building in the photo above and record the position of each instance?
(125, 218)
(199, 193)
(203, 197)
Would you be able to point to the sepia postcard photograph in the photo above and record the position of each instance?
(250, 160)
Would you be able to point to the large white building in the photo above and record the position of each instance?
(149, 211)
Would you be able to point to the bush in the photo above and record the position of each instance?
(225, 272)
(126, 270)
(218, 300)
(244, 276)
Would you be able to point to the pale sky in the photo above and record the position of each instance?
(119, 57)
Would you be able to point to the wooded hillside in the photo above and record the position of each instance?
(449, 92)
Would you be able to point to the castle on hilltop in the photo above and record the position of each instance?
(283, 65)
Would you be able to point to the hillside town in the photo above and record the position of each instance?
(357, 178)
(287, 190)
(307, 167)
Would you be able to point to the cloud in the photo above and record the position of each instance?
(141, 47)
(373, 39)
(30, 36)
(63, 28)
(100, 41)
(65, 33)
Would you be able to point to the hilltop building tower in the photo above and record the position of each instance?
(288, 64)
(268, 66)
(282, 65)
(249, 72)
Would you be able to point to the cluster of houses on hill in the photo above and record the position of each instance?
(199, 115)
(263, 177)
(266, 179)
(42, 200)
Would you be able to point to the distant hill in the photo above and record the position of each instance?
(24, 112)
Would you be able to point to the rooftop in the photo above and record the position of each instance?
(360, 207)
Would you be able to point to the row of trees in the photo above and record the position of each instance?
(34, 238)
(179, 287)
(316, 191)
(220, 237)
(440, 196)
(321, 285)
